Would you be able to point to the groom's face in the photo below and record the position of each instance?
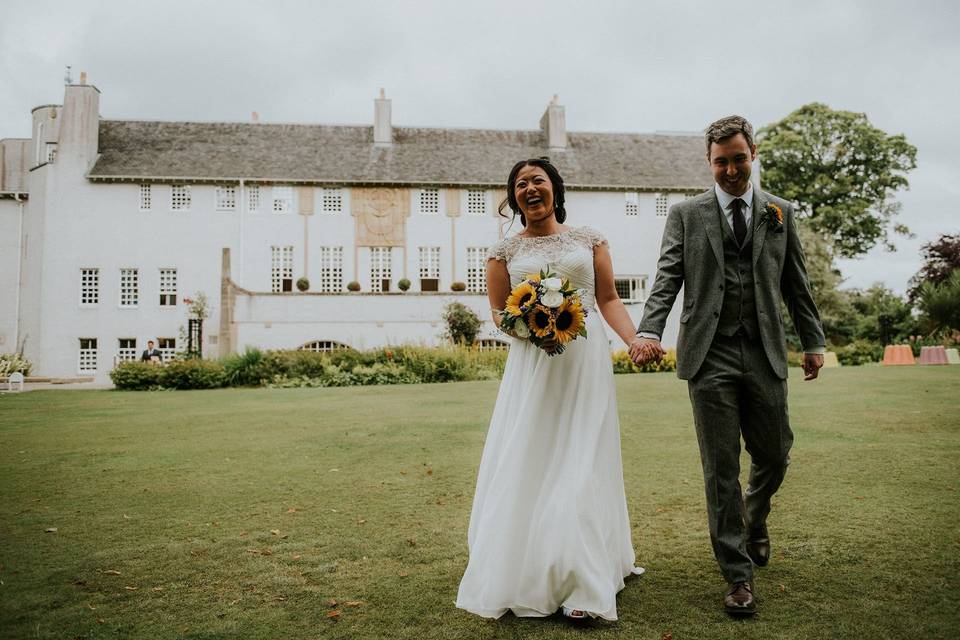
(730, 162)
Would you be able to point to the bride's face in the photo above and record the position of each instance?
(534, 193)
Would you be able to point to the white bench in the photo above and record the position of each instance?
(15, 378)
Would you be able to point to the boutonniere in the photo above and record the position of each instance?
(775, 217)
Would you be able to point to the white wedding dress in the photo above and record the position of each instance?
(549, 525)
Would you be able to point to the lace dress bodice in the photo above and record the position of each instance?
(569, 254)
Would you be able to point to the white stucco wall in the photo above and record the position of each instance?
(10, 221)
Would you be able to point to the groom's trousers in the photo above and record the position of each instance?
(736, 392)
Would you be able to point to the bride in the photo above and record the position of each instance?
(549, 528)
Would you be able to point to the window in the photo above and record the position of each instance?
(661, 205)
(87, 361)
(180, 197)
(429, 201)
(167, 348)
(146, 193)
(168, 287)
(281, 262)
(332, 201)
(492, 344)
(631, 288)
(476, 275)
(51, 151)
(331, 268)
(126, 350)
(282, 200)
(476, 203)
(226, 198)
(323, 345)
(253, 197)
(632, 205)
(381, 262)
(429, 268)
(89, 286)
(129, 287)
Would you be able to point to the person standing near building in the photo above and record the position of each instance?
(151, 354)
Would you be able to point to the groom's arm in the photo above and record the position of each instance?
(795, 289)
(669, 278)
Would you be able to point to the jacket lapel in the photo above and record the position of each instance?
(710, 215)
(759, 224)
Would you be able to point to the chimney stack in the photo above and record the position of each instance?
(83, 77)
(255, 117)
(553, 123)
(382, 129)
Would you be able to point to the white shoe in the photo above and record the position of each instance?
(576, 614)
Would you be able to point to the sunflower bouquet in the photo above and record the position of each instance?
(544, 307)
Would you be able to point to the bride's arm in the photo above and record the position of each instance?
(608, 301)
(498, 289)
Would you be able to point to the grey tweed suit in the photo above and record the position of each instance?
(732, 352)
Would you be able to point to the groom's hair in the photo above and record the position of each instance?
(726, 128)
(558, 193)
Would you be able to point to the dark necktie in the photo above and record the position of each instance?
(739, 222)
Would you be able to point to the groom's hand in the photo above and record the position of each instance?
(812, 362)
(644, 350)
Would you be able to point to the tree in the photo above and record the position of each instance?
(940, 303)
(940, 258)
(463, 325)
(842, 172)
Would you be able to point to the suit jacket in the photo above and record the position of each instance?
(691, 255)
(147, 354)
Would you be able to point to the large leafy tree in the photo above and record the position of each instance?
(842, 172)
(940, 258)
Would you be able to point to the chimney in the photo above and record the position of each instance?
(80, 124)
(255, 117)
(382, 130)
(83, 77)
(553, 123)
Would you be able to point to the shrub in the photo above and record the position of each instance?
(623, 364)
(13, 362)
(195, 373)
(462, 323)
(403, 284)
(458, 286)
(243, 369)
(353, 285)
(303, 284)
(859, 352)
(136, 376)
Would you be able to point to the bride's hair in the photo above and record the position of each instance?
(555, 179)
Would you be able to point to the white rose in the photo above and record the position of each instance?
(552, 284)
(552, 299)
(521, 329)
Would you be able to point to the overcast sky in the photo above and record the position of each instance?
(617, 66)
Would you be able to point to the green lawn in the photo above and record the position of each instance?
(242, 513)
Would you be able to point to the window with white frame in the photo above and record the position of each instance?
(126, 349)
(331, 269)
(226, 197)
(129, 287)
(168, 287)
(180, 197)
(631, 288)
(331, 201)
(282, 198)
(429, 268)
(146, 197)
(89, 286)
(51, 151)
(661, 205)
(87, 359)
(253, 197)
(476, 202)
(632, 203)
(323, 345)
(281, 269)
(429, 201)
(492, 344)
(167, 348)
(381, 267)
(476, 272)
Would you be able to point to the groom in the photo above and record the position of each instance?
(735, 251)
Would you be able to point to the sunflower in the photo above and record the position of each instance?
(569, 321)
(540, 321)
(520, 299)
(533, 278)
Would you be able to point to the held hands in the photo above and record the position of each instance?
(812, 362)
(645, 350)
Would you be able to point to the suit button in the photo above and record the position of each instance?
(716, 314)
(721, 287)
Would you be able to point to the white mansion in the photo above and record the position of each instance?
(107, 225)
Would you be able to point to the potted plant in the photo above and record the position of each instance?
(458, 286)
(403, 284)
(303, 284)
(353, 286)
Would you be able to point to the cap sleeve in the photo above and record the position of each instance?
(593, 237)
(502, 250)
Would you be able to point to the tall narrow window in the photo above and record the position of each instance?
(331, 269)
(146, 197)
(180, 197)
(168, 287)
(129, 287)
(282, 199)
(631, 288)
(253, 197)
(332, 201)
(476, 202)
(476, 261)
(281, 269)
(632, 203)
(89, 286)
(381, 264)
(51, 151)
(87, 360)
(661, 205)
(167, 348)
(429, 268)
(126, 349)
(429, 201)
(226, 198)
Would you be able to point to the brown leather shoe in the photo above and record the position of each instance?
(758, 545)
(739, 600)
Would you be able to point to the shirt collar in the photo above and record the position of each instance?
(725, 198)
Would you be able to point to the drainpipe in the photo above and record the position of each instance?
(16, 325)
(241, 206)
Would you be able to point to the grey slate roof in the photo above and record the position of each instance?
(324, 154)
